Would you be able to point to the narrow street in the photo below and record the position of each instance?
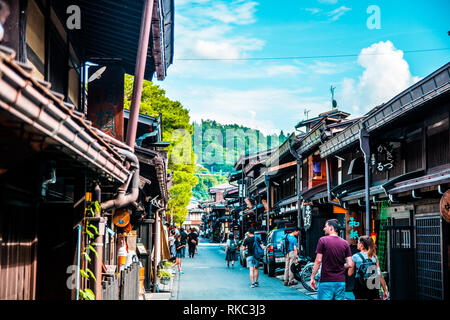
(206, 277)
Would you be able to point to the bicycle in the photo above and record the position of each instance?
(302, 270)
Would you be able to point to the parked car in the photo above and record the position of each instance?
(273, 257)
(261, 235)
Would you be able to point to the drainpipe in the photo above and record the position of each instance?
(78, 262)
(157, 246)
(327, 162)
(47, 182)
(141, 59)
(124, 199)
(365, 148)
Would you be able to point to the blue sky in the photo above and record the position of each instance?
(271, 95)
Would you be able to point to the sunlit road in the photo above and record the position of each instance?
(207, 277)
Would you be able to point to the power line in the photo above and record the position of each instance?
(308, 57)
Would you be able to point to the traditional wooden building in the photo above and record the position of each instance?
(218, 218)
(392, 171)
(280, 181)
(251, 209)
(316, 207)
(65, 145)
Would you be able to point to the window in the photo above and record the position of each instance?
(437, 143)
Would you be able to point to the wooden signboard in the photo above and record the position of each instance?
(445, 206)
(264, 202)
(353, 227)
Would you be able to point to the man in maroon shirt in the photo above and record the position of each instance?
(334, 254)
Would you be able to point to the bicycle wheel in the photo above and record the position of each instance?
(305, 276)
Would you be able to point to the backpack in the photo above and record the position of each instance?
(365, 270)
(285, 244)
(258, 251)
(233, 246)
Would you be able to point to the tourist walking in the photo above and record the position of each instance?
(198, 239)
(172, 248)
(368, 276)
(192, 240)
(334, 256)
(178, 247)
(252, 261)
(231, 253)
(183, 235)
(291, 256)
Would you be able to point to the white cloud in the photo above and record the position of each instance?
(386, 73)
(313, 10)
(337, 13)
(206, 30)
(266, 109)
(237, 12)
(283, 70)
(328, 1)
(321, 67)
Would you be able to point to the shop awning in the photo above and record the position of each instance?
(165, 251)
(311, 192)
(348, 186)
(422, 182)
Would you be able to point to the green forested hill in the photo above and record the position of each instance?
(217, 147)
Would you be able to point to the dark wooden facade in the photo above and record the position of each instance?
(409, 172)
(47, 178)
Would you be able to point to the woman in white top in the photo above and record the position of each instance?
(173, 250)
(368, 289)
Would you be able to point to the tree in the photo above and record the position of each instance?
(206, 180)
(177, 130)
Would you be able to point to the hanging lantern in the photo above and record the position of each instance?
(373, 234)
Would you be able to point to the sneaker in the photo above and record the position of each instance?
(286, 283)
(253, 285)
(293, 283)
(256, 284)
(181, 272)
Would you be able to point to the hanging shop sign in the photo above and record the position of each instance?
(121, 218)
(264, 202)
(248, 203)
(307, 216)
(383, 160)
(352, 223)
(445, 206)
(353, 227)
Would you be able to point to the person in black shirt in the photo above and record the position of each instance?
(192, 240)
(183, 235)
(178, 247)
(252, 262)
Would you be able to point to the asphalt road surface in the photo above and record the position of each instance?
(206, 277)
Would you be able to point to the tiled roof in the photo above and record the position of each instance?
(43, 112)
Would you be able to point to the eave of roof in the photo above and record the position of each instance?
(111, 29)
(435, 84)
(23, 97)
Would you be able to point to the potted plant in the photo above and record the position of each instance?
(164, 276)
(166, 264)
